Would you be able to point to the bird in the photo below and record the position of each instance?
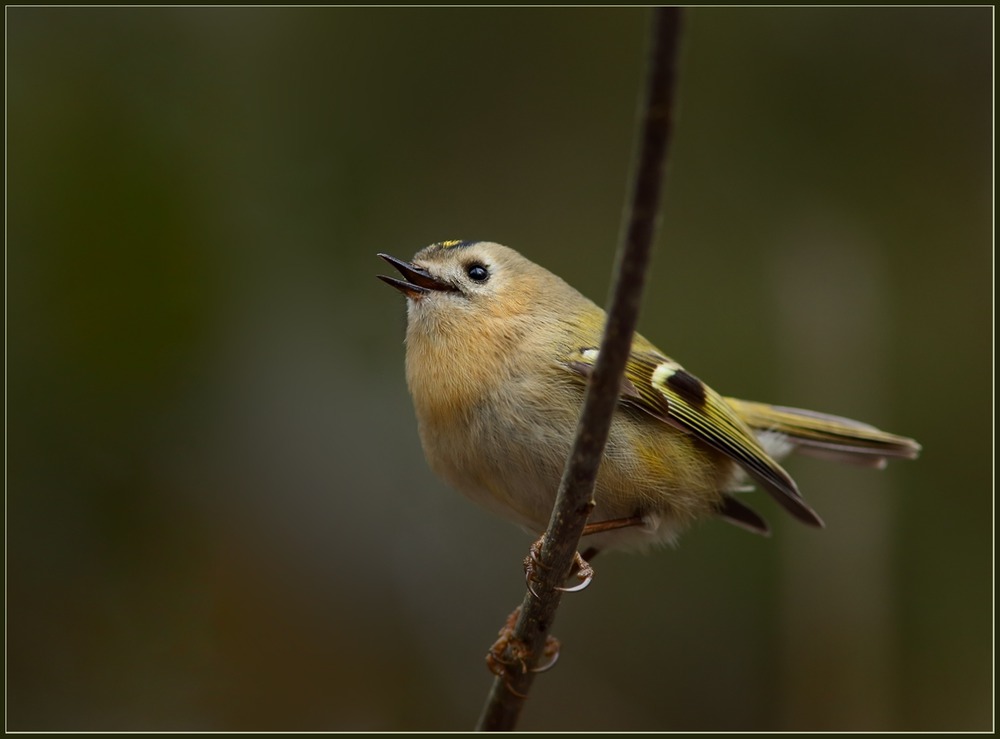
(498, 355)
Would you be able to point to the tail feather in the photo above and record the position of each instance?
(782, 430)
(742, 515)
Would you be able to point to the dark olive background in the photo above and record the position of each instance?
(218, 513)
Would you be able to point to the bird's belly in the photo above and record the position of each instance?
(663, 475)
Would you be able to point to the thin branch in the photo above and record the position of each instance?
(574, 500)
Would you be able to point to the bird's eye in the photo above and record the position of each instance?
(477, 272)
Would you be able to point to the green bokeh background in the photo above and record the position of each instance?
(218, 513)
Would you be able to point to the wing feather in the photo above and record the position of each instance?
(661, 388)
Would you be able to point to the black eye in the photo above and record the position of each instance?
(477, 272)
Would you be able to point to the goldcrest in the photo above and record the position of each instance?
(498, 352)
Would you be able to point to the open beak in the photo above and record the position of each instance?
(416, 282)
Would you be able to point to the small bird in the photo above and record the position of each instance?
(498, 354)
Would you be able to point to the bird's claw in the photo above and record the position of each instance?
(532, 563)
(584, 572)
(552, 647)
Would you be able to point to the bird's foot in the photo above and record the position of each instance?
(533, 563)
(509, 652)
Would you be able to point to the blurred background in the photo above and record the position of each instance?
(218, 512)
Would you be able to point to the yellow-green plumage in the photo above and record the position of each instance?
(826, 436)
(498, 354)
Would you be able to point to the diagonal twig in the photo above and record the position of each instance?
(573, 503)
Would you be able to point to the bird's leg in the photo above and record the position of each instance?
(615, 523)
(498, 662)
